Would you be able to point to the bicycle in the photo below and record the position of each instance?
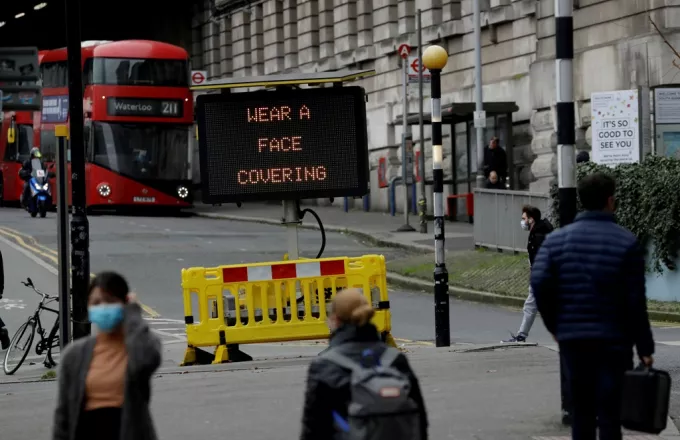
(28, 329)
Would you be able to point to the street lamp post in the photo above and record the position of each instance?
(435, 58)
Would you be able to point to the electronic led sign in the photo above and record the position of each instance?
(283, 145)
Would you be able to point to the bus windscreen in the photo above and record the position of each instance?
(140, 72)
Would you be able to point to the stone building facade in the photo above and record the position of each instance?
(616, 47)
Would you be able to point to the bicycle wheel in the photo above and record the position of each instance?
(53, 344)
(19, 347)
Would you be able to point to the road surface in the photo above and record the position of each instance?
(151, 252)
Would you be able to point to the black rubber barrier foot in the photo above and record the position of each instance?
(236, 355)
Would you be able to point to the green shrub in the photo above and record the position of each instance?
(648, 203)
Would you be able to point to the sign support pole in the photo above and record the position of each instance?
(421, 146)
(63, 238)
(291, 218)
(480, 117)
(80, 227)
(406, 143)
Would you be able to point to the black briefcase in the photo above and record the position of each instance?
(646, 396)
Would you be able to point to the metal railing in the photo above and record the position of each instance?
(498, 214)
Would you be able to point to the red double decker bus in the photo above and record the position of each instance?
(16, 141)
(138, 112)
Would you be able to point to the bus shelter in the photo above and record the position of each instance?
(498, 123)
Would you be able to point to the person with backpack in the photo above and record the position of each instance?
(538, 228)
(360, 388)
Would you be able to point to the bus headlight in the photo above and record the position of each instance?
(182, 192)
(104, 190)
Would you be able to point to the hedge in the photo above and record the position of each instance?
(648, 204)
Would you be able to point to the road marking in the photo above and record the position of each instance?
(52, 256)
(670, 343)
(9, 304)
(410, 341)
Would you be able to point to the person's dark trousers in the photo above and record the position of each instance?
(565, 392)
(2, 324)
(595, 371)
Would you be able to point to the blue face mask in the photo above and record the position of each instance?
(106, 316)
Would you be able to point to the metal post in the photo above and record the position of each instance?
(406, 143)
(435, 58)
(421, 165)
(80, 228)
(480, 114)
(291, 218)
(62, 237)
(566, 136)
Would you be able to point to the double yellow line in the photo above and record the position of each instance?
(31, 244)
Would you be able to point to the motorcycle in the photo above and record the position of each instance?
(41, 193)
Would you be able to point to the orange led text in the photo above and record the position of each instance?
(286, 143)
(278, 114)
(283, 175)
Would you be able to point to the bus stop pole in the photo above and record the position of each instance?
(63, 236)
(80, 228)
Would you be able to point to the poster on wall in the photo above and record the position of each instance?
(615, 119)
(667, 105)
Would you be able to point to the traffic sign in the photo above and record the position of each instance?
(413, 66)
(404, 50)
(283, 145)
(198, 77)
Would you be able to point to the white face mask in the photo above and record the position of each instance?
(525, 225)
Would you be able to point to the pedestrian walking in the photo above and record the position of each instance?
(359, 384)
(4, 334)
(538, 228)
(589, 283)
(104, 381)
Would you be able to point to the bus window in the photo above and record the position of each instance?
(48, 145)
(54, 74)
(141, 72)
(25, 141)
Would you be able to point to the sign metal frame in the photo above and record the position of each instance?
(268, 96)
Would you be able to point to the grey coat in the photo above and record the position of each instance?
(144, 357)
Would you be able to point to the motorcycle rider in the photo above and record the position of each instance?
(25, 174)
(4, 334)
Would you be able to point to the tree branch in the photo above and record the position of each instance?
(663, 37)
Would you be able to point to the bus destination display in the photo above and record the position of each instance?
(145, 107)
(282, 145)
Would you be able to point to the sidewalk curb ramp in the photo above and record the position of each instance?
(421, 249)
(415, 283)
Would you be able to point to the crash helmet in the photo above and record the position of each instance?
(35, 153)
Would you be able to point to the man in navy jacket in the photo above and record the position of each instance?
(589, 283)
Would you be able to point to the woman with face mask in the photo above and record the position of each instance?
(104, 380)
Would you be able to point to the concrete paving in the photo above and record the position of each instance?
(488, 395)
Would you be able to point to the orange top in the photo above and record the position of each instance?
(105, 383)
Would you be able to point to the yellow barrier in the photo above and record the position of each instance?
(273, 302)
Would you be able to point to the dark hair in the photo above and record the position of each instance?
(532, 211)
(582, 157)
(111, 283)
(594, 191)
